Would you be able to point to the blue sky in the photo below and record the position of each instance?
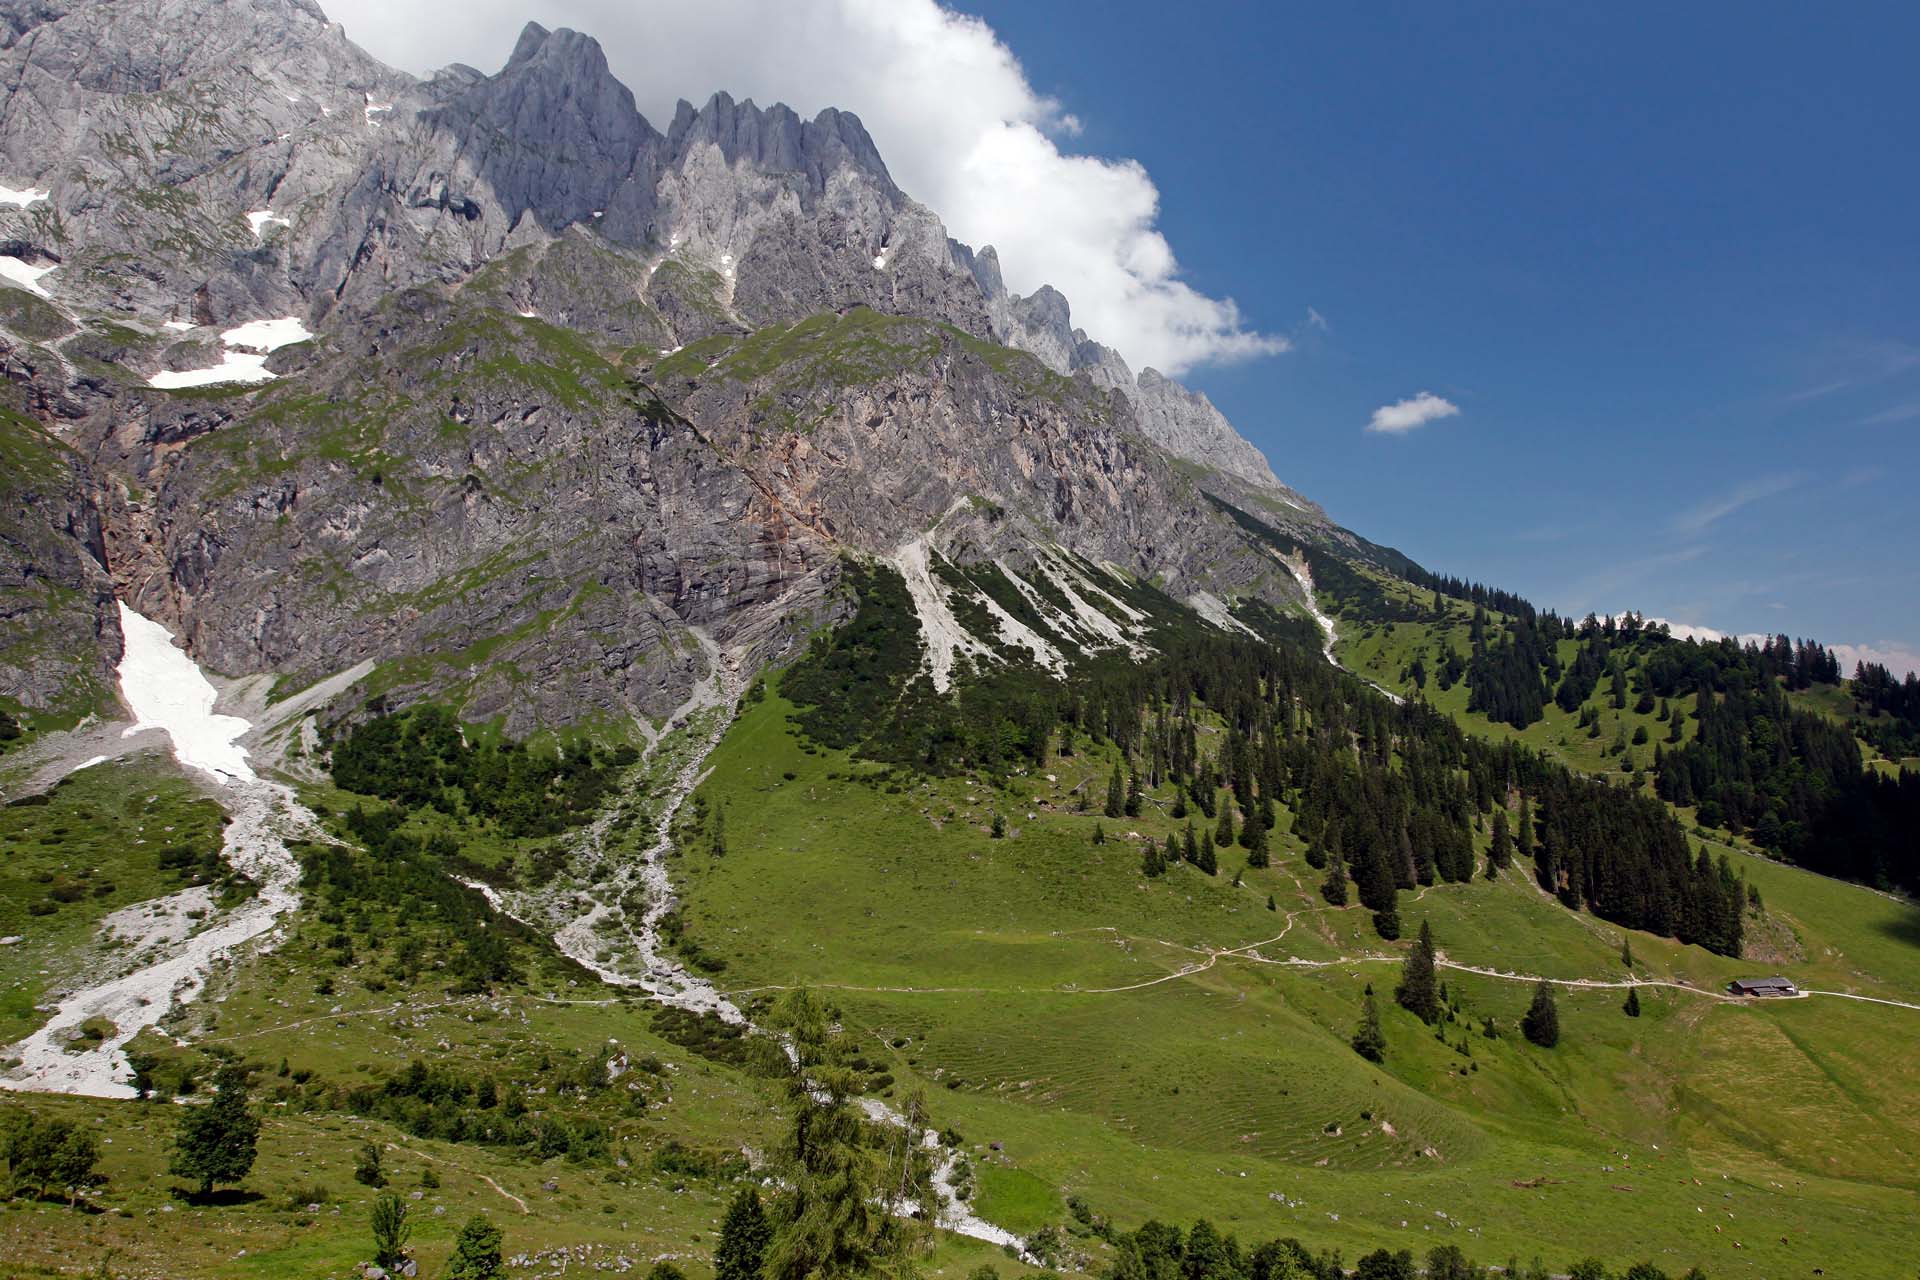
(1664, 260)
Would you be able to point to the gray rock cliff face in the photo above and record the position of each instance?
(490, 473)
(59, 630)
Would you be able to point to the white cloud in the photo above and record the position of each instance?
(1404, 415)
(1692, 631)
(1891, 654)
(948, 104)
(1898, 658)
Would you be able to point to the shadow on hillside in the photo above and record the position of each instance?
(220, 1198)
(1903, 928)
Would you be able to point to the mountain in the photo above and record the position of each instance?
(475, 229)
(590, 693)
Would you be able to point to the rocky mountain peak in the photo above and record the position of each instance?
(775, 140)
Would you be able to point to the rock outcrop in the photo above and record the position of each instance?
(579, 385)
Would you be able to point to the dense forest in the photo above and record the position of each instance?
(1386, 796)
(1787, 777)
(422, 758)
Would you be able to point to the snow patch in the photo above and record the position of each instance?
(372, 108)
(178, 326)
(266, 335)
(245, 359)
(234, 366)
(24, 274)
(945, 638)
(261, 219)
(166, 691)
(880, 262)
(88, 763)
(21, 197)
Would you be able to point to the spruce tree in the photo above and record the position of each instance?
(1208, 862)
(1223, 834)
(1387, 924)
(1133, 795)
(1500, 852)
(1334, 887)
(1099, 834)
(744, 1233)
(1173, 852)
(1192, 845)
(1150, 862)
(1257, 846)
(1542, 1021)
(216, 1143)
(476, 1251)
(1632, 1005)
(1116, 794)
(1369, 1041)
(1418, 991)
(1626, 952)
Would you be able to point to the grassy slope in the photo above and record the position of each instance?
(97, 840)
(1214, 1092)
(349, 1026)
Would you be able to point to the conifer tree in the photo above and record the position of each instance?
(1626, 952)
(1500, 852)
(1099, 834)
(1133, 795)
(1223, 834)
(1208, 862)
(744, 1233)
(828, 1219)
(476, 1251)
(1369, 1041)
(1418, 991)
(1257, 846)
(1541, 1024)
(1334, 887)
(1632, 1005)
(1271, 904)
(1192, 850)
(1116, 794)
(1151, 864)
(1173, 852)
